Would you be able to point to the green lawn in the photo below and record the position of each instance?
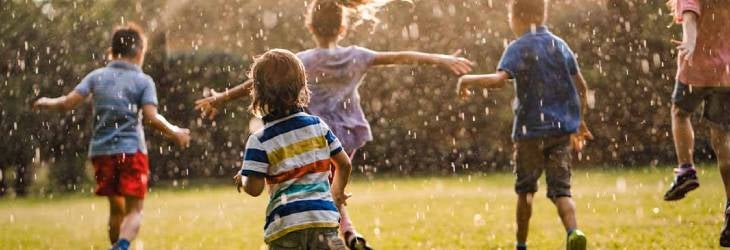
(618, 209)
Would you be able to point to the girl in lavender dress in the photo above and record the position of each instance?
(334, 73)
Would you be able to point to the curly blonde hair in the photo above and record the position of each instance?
(279, 83)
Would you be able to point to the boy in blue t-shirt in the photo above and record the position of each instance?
(549, 105)
(121, 91)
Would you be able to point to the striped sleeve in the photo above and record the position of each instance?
(332, 142)
(255, 159)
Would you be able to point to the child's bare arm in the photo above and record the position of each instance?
(689, 37)
(454, 63)
(181, 136)
(343, 167)
(489, 81)
(252, 185)
(582, 87)
(208, 106)
(63, 103)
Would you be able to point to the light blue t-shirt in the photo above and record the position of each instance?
(542, 66)
(119, 91)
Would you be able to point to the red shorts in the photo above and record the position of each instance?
(121, 174)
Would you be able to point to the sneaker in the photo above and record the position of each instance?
(725, 234)
(683, 183)
(576, 241)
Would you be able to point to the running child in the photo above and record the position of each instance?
(293, 154)
(549, 106)
(703, 78)
(335, 73)
(120, 92)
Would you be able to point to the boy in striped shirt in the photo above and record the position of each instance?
(292, 155)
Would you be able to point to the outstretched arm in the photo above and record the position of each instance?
(181, 136)
(209, 106)
(489, 81)
(454, 63)
(62, 103)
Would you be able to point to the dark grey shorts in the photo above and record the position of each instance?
(716, 102)
(309, 239)
(551, 154)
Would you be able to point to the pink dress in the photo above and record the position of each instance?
(710, 65)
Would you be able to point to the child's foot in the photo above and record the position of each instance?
(725, 234)
(685, 180)
(356, 241)
(576, 240)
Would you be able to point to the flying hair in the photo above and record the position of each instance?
(326, 17)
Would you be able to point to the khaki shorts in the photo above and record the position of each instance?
(309, 239)
(551, 154)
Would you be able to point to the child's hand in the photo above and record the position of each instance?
(458, 65)
(41, 103)
(208, 106)
(340, 197)
(686, 50)
(182, 137)
(578, 139)
(238, 179)
(462, 87)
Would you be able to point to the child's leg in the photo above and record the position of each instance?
(116, 215)
(566, 210)
(683, 135)
(524, 212)
(721, 145)
(529, 164)
(132, 218)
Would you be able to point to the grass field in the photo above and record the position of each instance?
(618, 209)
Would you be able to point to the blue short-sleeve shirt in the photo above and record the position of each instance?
(542, 66)
(119, 91)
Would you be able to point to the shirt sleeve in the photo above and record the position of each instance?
(149, 92)
(332, 142)
(255, 160)
(570, 60)
(684, 6)
(84, 87)
(364, 56)
(510, 61)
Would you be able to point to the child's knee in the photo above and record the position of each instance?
(679, 112)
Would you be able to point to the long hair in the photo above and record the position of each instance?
(279, 83)
(326, 18)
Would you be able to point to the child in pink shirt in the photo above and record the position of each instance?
(703, 77)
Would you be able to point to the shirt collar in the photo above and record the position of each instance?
(124, 65)
(538, 30)
(278, 115)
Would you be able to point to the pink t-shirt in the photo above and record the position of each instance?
(711, 60)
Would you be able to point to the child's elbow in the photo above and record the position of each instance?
(253, 191)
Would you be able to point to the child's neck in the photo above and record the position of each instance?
(134, 61)
(326, 43)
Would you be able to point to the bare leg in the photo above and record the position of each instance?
(524, 212)
(721, 145)
(683, 135)
(116, 215)
(566, 210)
(132, 219)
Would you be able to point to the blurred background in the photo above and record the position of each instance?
(420, 126)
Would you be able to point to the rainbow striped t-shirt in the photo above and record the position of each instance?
(293, 154)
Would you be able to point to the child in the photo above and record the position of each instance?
(703, 77)
(550, 103)
(118, 149)
(292, 154)
(335, 74)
